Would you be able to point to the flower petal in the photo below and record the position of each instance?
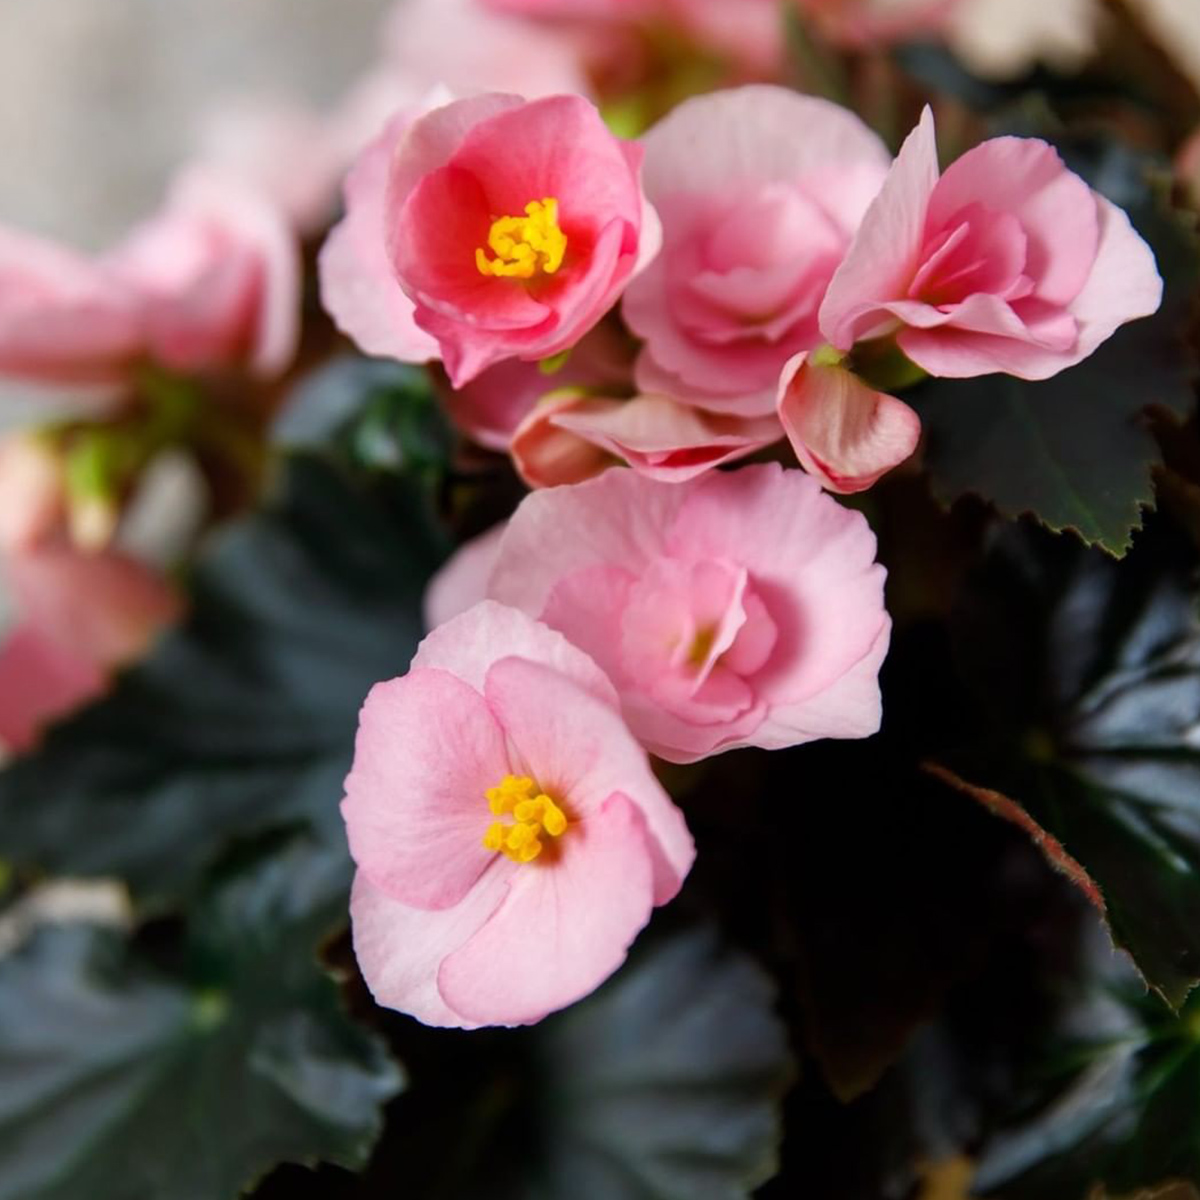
(843, 432)
(564, 927)
(427, 750)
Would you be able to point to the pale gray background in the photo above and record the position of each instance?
(100, 99)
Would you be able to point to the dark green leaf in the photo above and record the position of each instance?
(121, 1081)
(381, 414)
(243, 721)
(1126, 1113)
(664, 1085)
(1090, 672)
(1075, 450)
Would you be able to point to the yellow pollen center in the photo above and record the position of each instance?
(700, 647)
(533, 814)
(524, 246)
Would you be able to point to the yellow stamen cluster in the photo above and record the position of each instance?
(524, 246)
(533, 814)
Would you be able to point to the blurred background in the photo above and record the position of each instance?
(99, 102)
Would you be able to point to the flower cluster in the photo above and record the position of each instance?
(623, 317)
(752, 277)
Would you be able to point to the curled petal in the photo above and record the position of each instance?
(843, 432)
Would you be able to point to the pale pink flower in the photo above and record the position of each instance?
(743, 608)
(844, 433)
(80, 616)
(217, 274)
(514, 226)
(1008, 263)
(858, 23)
(760, 191)
(510, 837)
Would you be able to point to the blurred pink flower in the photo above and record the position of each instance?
(64, 319)
(858, 23)
(514, 226)
(740, 609)
(80, 616)
(510, 837)
(1006, 263)
(211, 282)
(844, 433)
(217, 275)
(759, 190)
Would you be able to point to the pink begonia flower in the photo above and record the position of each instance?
(759, 190)
(743, 608)
(510, 837)
(858, 23)
(1008, 263)
(470, 46)
(80, 616)
(570, 437)
(844, 433)
(514, 226)
(217, 273)
(358, 287)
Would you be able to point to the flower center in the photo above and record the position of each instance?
(524, 246)
(533, 813)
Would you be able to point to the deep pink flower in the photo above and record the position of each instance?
(510, 837)
(844, 433)
(760, 191)
(514, 226)
(743, 608)
(1006, 263)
